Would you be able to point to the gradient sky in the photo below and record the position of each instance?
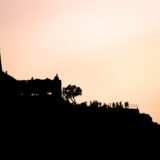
(110, 48)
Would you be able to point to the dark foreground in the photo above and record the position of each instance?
(38, 127)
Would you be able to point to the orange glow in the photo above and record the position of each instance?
(108, 48)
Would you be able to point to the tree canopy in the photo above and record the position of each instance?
(70, 92)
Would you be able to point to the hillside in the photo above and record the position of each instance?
(84, 132)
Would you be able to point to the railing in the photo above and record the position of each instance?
(133, 106)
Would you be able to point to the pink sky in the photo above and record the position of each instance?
(110, 48)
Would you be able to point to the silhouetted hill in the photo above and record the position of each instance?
(78, 131)
(37, 122)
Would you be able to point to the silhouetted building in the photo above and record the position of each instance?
(9, 86)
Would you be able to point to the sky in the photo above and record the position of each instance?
(110, 48)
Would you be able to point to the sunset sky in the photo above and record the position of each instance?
(110, 48)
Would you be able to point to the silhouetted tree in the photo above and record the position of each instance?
(70, 92)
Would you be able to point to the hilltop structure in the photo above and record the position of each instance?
(9, 86)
